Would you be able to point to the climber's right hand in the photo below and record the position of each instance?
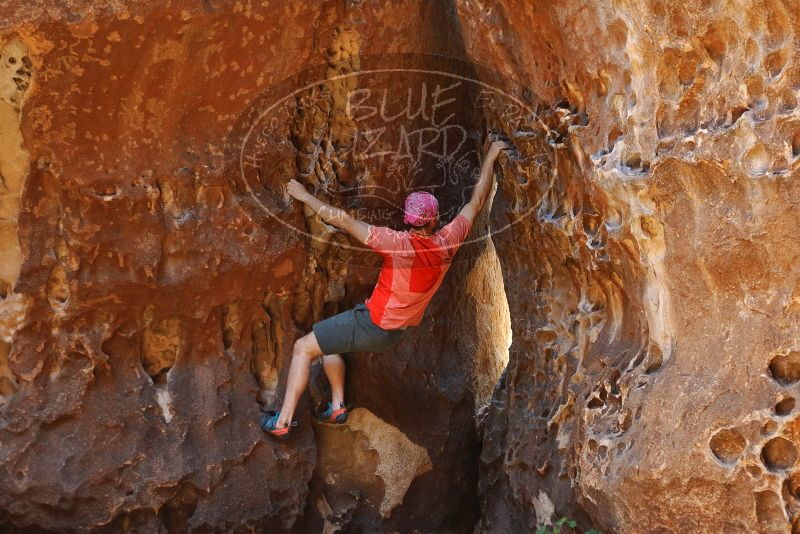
(298, 191)
(497, 146)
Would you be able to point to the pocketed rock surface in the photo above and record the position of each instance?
(148, 309)
(653, 373)
(148, 313)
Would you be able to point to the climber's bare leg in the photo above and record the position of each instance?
(333, 365)
(306, 349)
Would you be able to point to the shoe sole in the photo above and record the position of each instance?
(280, 433)
(335, 419)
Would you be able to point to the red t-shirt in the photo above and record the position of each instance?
(413, 269)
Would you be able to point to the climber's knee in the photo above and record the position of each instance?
(306, 347)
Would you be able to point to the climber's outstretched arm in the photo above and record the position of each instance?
(484, 185)
(330, 214)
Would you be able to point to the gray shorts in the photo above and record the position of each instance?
(354, 331)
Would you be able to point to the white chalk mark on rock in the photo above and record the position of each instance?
(164, 401)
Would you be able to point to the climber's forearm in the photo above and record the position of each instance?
(482, 189)
(329, 214)
(338, 218)
(484, 185)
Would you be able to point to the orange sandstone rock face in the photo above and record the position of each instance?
(148, 307)
(652, 378)
(147, 313)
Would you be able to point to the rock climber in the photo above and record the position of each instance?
(414, 264)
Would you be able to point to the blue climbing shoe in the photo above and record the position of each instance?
(269, 423)
(335, 417)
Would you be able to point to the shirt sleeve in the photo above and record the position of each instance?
(455, 232)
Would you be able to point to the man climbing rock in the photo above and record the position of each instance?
(414, 265)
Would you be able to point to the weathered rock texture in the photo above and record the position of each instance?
(146, 307)
(653, 373)
(146, 310)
